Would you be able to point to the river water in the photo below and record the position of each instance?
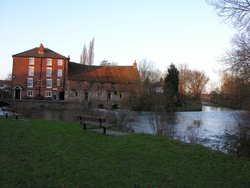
(207, 127)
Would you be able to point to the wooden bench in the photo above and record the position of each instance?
(10, 111)
(94, 120)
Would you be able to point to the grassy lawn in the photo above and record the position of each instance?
(40, 153)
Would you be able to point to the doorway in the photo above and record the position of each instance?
(17, 93)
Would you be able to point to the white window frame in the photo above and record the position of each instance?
(30, 83)
(49, 62)
(30, 93)
(31, 61)
(48, 71)
(59, 72)
(58, 82)
(49, 83)
(60, 62)
(31, 71)
(48, 93)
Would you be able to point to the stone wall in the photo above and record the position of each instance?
(44, 104)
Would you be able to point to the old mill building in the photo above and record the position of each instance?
(41, 73)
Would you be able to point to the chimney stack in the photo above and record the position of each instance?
(135, 64)
(41, 49)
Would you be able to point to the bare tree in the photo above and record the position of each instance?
(183, 79)
(236, 11)
(91, 52)
(197, 83)
(87, 56)
(191, 82)
(9, 76)
(238, 58)
(148, 71)
(235, 91)
(84, 55)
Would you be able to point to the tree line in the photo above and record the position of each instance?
(179, 85)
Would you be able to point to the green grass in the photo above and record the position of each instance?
(190, 106)
(40, 153)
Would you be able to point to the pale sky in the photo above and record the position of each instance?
(163, 31)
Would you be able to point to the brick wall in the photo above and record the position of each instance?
(20, 76)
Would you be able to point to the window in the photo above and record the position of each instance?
(30, 82)
(58, 82)
(31, 71)
(59, 62)
(59, 72)
(49, 62)
(31, 61)
(86, 96)
(49, 83)
(48, 72)
(108, 96)
(30, 93)
(48, 93)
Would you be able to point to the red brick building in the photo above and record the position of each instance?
(103, 85)
(41, 73)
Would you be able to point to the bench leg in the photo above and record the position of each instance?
(6, 115)
(16, 117)
(84, 126)
(104, 130)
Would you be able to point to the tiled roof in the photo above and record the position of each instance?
(48, 53)
(7, 82)
(104, 74)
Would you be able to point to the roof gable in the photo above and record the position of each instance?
(48, 53)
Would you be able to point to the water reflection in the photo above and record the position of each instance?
(64, 115)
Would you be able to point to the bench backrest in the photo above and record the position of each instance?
(92, 118)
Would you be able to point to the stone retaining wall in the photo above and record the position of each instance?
(44, 104)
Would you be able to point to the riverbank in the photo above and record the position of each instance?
(189, 107)
(42, 153)
(29, 105)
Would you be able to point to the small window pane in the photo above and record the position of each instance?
(31, 61)
(49, 83)
(59, 62)
(31, 71)
(48, 94)
(30, 93)
(59, 72)
(49, 62)
(48, 72)
(30, 82)
(58, 82)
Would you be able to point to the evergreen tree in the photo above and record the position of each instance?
(171, 83)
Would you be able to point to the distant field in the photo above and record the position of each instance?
(39, 153)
